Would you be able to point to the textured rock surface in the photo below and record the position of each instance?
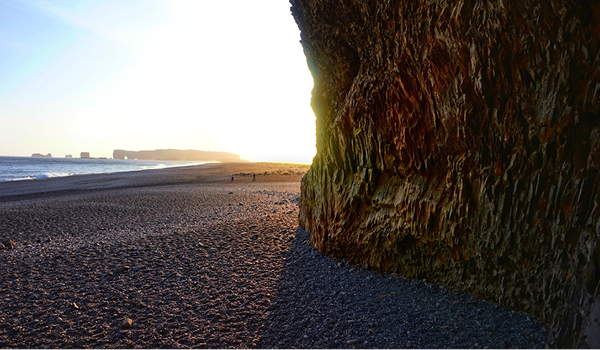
(459, 142)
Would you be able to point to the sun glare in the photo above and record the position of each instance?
(220, 76)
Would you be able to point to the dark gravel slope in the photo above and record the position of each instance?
(191, 266)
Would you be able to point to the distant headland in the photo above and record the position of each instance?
(175, 154)
(39, 155)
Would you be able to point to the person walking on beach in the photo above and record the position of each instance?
(253, 177)
(231, 177)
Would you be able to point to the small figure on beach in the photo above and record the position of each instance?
(253, 177)
(231, 177)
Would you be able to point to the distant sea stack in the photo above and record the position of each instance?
(68, 156)
(39, 155)
(85, 155)
(174, 154)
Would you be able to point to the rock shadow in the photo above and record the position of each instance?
(325, 303)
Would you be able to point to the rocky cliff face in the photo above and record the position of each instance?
(459, 141)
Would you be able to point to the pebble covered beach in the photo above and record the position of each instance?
(186, 258)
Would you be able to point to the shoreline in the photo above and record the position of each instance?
(207, 172)
(28, 168)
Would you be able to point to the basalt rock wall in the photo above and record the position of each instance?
(459, 141)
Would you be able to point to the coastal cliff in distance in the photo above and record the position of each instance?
(39, 155)
(174, 154)
(459, 142)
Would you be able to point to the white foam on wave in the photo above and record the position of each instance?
(39, 176)
(47, 175)
(158, 166)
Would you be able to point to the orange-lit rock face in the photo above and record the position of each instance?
(458, 142)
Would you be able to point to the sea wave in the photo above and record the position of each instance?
(158, 166)
(40, 176)
(25, 168)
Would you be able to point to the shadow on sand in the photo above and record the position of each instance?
(324, 303)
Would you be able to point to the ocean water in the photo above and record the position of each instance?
(26, 168)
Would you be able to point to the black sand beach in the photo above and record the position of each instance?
(195, 260)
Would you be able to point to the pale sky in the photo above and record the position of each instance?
(98, 75)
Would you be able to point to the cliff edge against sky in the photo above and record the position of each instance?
(459, 142)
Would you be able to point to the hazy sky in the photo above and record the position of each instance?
(96, 75)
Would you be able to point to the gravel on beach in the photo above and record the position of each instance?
(203, 262)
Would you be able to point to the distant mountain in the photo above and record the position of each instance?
(175, 154)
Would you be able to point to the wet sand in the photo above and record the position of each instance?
(195, 260)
